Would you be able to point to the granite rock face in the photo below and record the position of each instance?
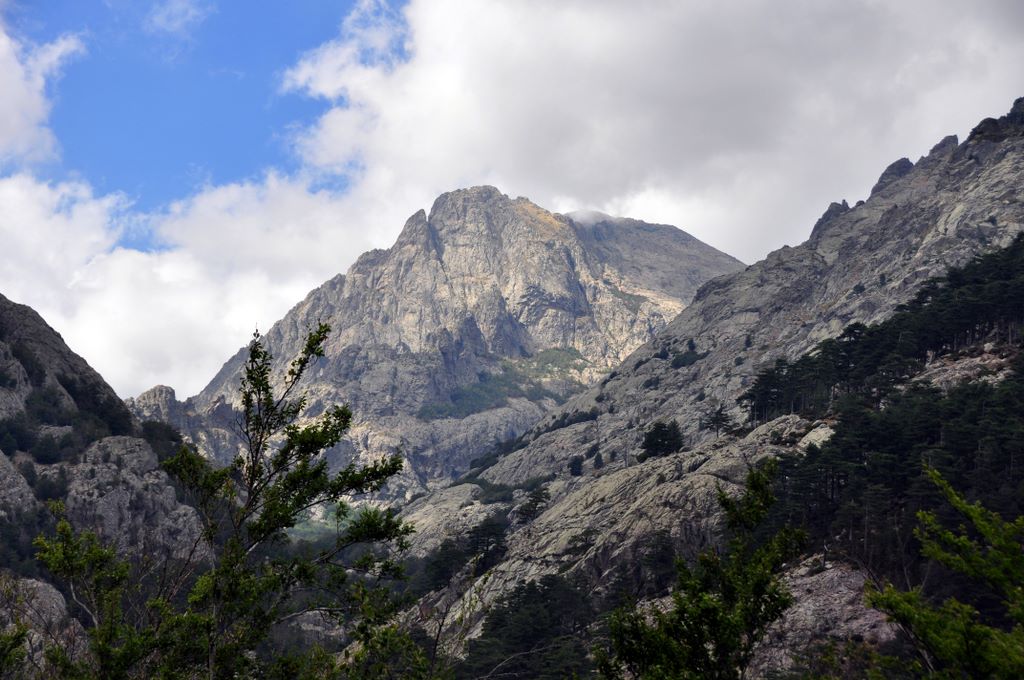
(483, 315)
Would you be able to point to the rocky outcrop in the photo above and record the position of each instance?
(828, 607)
(483, 315)
(119, 491)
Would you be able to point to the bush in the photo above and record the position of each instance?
(491, 492)
(45, 406)
(91, 399)
(30, 362)
(534, 632)
(52, 487)
(46, 450)
(28, 471)
(576, 466)
(16, 434)
(687, 358)
(162, 438)
(570, 418)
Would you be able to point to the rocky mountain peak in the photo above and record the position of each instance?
(486, 311)
(998, 129)
(895, 170)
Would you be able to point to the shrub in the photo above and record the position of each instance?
(30, 362)
(687, 358)
(46, 450)
(576, 466)
(52, 487)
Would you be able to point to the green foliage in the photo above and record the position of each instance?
(687, 358)
(441, 566)
(12, 649)
(576, 466)
(955, 639)
(214, 617)
(535, 632)
(860, 492)
(52, 487)
(30, 362)
(534, 505)
(46, 450)
(92, 401)
(45, 406)
(717, 420)
(984, 298)
(721, 607)
(493, 390)
(16, 434)
(17, 531)
(98, 582)
(568, 418)
(162, 438)
(662, 439)
(486, 542)
(499, 450)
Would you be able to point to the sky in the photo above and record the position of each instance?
(176, 173)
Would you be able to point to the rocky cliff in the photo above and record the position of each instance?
(858, 264)
(484, 314)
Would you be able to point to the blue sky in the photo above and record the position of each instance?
(175, 172)
(156, 114)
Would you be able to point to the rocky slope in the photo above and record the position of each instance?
(484, 314)
(859, 264)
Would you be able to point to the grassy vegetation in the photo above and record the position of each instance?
(520, 379)
(633, 301)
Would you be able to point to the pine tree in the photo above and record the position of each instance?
(953, 639)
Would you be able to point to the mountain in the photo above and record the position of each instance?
(484, 314)
(605, 522)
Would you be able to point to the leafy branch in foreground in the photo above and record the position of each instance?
(720, 608)
(245, 577)
(952, 638)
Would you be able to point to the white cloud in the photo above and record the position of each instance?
(235, 257)
(176, 17)
(25, 71)
(738, 122)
